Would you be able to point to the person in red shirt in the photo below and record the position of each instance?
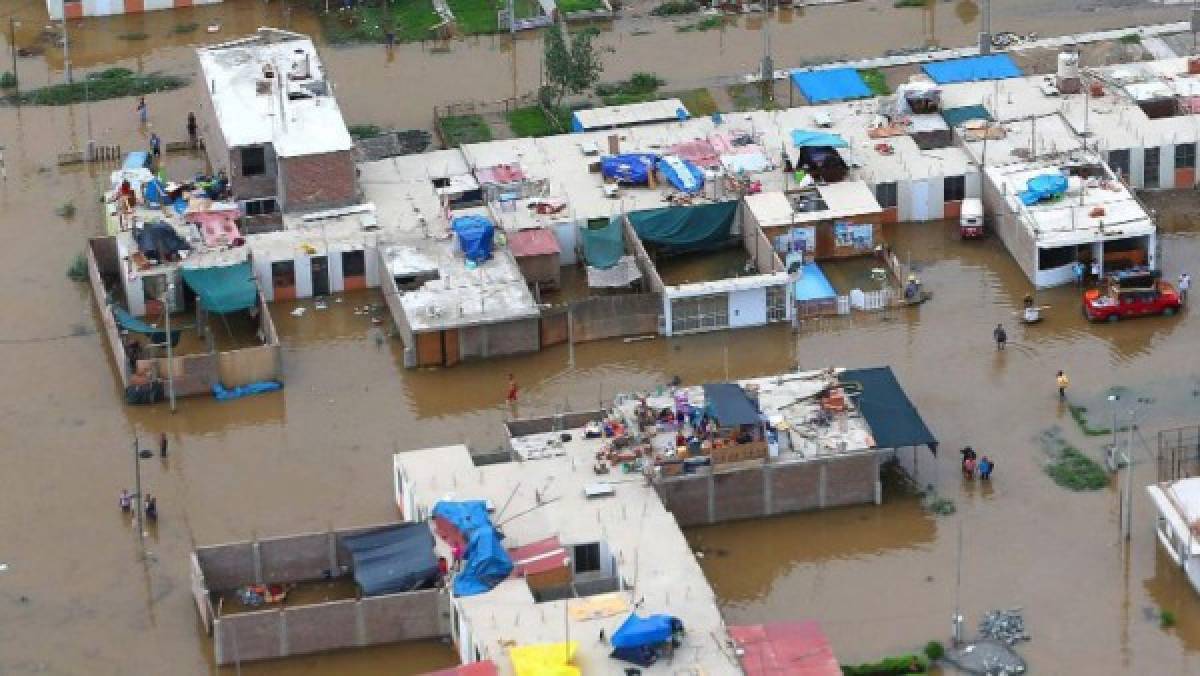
(511, 396)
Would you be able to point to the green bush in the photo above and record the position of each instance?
(641, 87)
(7, 80)
(875, 81)
(182, 28)
(1072, 469)
(110, 74)
(934, 650)
(113, 83)
(133, 36)
(676, 7)
(706, 24)
(361, 131)
(77, 271)
(532, 121)
(900, 664)
(910, 3)
(66, 210)
(1130, 39)
(1166, 619)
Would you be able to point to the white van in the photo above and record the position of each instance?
(970, 218)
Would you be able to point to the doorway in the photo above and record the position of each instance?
(320, 275)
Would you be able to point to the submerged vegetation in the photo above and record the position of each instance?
(113, 83)
(1070, 468)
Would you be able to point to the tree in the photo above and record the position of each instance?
(570, 69)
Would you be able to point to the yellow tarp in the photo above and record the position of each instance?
(544, 659)
(599, 606)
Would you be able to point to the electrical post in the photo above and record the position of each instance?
(12, 46)
(170, 360)
(67, 51)
(137, 498)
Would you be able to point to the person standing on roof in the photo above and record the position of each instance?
(1001, 337)
(155, 146)
(193, 129)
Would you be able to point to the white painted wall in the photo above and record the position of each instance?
(371, 253)
(748, 307)
(337, 280)
(303, 267)
(1166, 166)
(1136, 175)
(974, 184)
(262, 271)
(919, 196)
(1055, 276)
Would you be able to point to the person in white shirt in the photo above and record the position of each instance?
(1185, 282)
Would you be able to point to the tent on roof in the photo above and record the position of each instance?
(223, 289)
(894, 421)
(544, 659)
(804, 138)
(682, 174)
(393, 559)
(486, 561)
(831, 84)
(628, 168)
(729, 405)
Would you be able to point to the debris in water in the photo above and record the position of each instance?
(1004, 625)
(298, 312)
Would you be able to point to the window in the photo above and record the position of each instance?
(700, 313)
(776, 303)
(1056, 257)
(886, 194)
(955, 188)
(587, 558)
(1150, 167)
(260, 207)
(354, 264)
(1185, 156)
(254, 161)
(1119, 161)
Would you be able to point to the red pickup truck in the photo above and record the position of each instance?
(1131, 295)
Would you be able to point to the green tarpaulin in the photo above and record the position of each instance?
(225, 289)
(685, 228)
(604, 246)
(131, 323)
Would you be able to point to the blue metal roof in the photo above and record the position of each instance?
(972, 69)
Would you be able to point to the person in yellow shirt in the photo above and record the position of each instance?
(1063, 382)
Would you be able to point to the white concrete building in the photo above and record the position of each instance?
(76, 9)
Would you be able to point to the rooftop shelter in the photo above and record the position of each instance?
(832, 84)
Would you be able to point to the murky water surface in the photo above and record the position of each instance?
(76, 599)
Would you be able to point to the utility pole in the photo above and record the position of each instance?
(137, 497)
(512, 43)
(1128, 510)
(985, 35)
(12, 46)
(67, 51)
(170, 361)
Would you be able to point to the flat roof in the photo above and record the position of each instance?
(610, 117)
(294, 111)
(546, 497)
(842, 199)
(1024, 139)
(1179, 502)
(1070, 220)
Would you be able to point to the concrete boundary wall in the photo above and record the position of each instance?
(567, 421)
(757, 489)
(603, 317)
(112, 335)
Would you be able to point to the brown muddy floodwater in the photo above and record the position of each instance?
(76, 599)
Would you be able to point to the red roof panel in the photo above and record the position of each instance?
(795, 648)
(535, 242)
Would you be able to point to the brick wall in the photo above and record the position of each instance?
(851, 480)
(321, 181)
(686, 497)
(795, 487)
(738, 494)
(250, 187)
(617, 315)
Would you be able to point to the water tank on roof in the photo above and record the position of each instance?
(1068, 65)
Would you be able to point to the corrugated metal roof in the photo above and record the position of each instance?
(794, 648)
(533, 242)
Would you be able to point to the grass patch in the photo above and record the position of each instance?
(1130, 39)
(1079, 415)
(133, 36)
(361, 131)
(900, 664)
(113, 83)
(676, 8)
(641, 87)
(910, 3)
(875, 81)
(77, 271)
(699, 102)
(461, 129)
(747, 96)
(532, 121)
(476, 16)
(706, 24)
(1071, 469)
(183, 28)
(7, 80)
(1166, 619)
(412, 21)
(938, 505)
(569, 6)
(934, 650)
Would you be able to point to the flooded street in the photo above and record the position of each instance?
(76, 598)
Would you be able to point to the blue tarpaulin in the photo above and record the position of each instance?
(682, 174)
(955, 117)
(138, 159)
(728, 403)
(223, 393)
(813, 285)
(972, 69)
(834, 84)
(487, 562)
(894, 421)
(393, 559)
(226, 289)
(803, 138)
(475, 234)
(603, 247)
(159, 240)
(629, 168)
(1046, 186)
(636, 632)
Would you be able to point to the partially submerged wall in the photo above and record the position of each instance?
(567, 421)
(95, 252)
(600, 317)
(752, 490)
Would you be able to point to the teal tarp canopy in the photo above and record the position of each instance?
(131, 323)
(225, 289)
(685, 228)
(603, 247)
(803, 138)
